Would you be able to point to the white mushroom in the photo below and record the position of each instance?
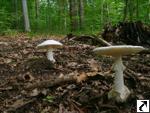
(50, 45)
(119, 91)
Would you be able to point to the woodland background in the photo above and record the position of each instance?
(80, 80)
(65, 16)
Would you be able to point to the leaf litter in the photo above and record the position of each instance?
(77, 83)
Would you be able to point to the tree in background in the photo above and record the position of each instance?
(64, 16)
(73, 6)
(25, 15)
(81, 14)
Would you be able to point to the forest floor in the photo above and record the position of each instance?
(77, 83)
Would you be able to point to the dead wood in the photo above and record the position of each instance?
(51, 83)
(61, 81)
(6, 89)
(19, 104)
(93, 39)
(132, 33)
(107, 106)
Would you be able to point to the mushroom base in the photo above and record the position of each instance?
(119, 96)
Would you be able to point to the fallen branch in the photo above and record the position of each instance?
(104, 41)
(60, 81)
(6, 89)
(19, 104)
(107, 106)
(96, 40)
(51, 83)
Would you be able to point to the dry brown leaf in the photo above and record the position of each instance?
(25, 51)
(92, 73)
(17, 103)
(61, 75)
(81, 77)
(94, 65)
(34, 92)
(8, 61)
(62, 109)
(4, 43)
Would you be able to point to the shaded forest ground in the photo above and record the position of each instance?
(77, 83)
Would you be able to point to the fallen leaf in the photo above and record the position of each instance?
(81, 77)
(94, 65)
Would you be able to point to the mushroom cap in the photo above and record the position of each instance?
(50, 44)
(118, 50)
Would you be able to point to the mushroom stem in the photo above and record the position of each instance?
(119, 91)
(118, 67)
(50, 55)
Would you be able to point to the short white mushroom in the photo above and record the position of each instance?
(50, 46)
(119, 91)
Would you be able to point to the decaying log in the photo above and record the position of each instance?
(93, 39)
(51, 83)
(19, 104)
(62, 80)
(131, 33)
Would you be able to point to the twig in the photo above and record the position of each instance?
(57, 82)
(6, 89)
(19, 104)
(110, 107)
(103, 41)
(51, 83)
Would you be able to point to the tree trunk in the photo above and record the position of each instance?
(125, 10)
(62, 14)
(16, 13)
(81, 14)
(73, 15)
(102, 14)
(48, 22)
(130, 4)
(105, 12)
(37, 14)
(137, 9)
(36, 9)
(148, 12)
(25, 15)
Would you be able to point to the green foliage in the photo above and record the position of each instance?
(5, 20)
(54, 16)
(49, 99)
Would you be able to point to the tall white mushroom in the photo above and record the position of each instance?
(50, 46)
(119, 91)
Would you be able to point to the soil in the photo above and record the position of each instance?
(78, 82)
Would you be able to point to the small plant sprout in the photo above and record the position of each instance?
(119, 91)
(49, 99)
(50, 46)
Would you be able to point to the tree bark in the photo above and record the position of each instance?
(137, 9)
(48, 18)
(25, 15)
(73, 15)
(81, 14)
(16, 13)
(125, 10)
(36, 9)
(148, 11)
(105, 12)
(130, 4)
